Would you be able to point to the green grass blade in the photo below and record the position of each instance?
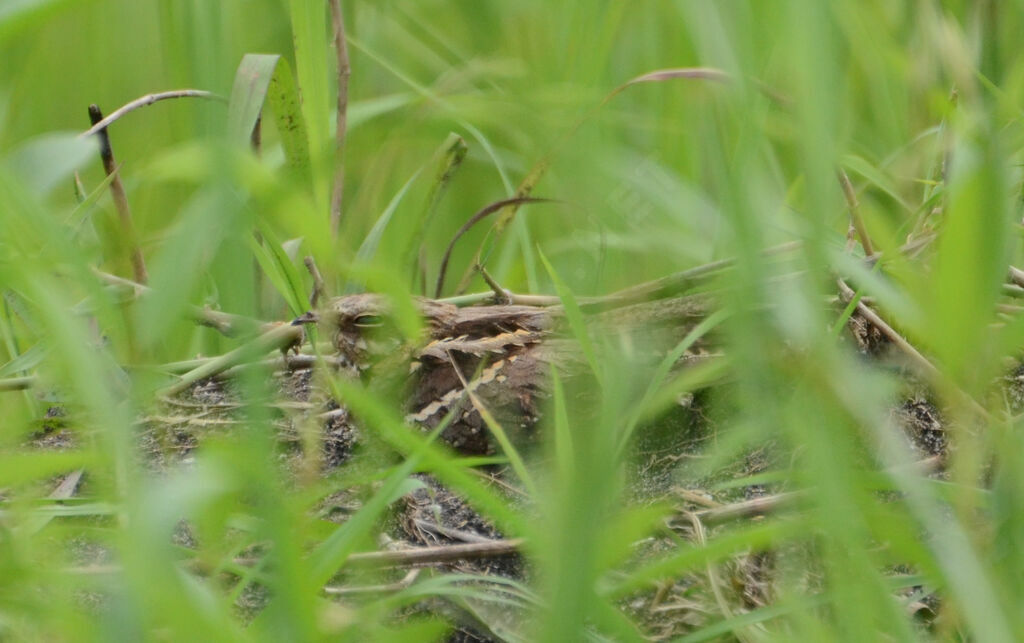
(248, 94)
(281, 270)
(265, 80)
(309, 31)
(575, 318)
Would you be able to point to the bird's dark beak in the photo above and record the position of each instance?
(306, 318)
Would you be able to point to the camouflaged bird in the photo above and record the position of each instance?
(502, 353)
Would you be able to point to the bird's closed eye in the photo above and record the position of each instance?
(368, 321)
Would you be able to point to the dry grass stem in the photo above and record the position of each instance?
(120, 197)
(344, 71)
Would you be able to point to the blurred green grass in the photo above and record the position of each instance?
(663, 177)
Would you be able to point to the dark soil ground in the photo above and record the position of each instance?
(665, 465)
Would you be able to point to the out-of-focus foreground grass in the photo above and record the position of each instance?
(919, 103)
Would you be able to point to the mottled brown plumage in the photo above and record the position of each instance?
(504, 352)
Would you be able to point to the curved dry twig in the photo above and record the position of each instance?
(149, 99)
(661, 75)
(483, 213)
(533, 177)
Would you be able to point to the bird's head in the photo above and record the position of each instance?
(360, 327)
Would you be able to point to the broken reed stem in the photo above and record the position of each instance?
(771, 504)
(454, 534)
(747, 508)
(514, 298)
(67, 486)
(438, 554)
(696, 497)
(855, 219)
(114, 280)
(119, 196)
(688, 278)
(18, 383)
(280, 337)
(916, 357)
(225, 323)
(344, 71)
(847, 294)
(386, 588)
(1013, 290)
(670, 284)
(318, 281)
(302, 360)
(143, 101)
(1017, 276)
(386, 558)
(502, 297)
